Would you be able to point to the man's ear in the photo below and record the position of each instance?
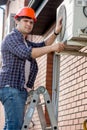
(16, 21)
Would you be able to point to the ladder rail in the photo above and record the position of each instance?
(41, 115)
(50, 110)
(30, 112)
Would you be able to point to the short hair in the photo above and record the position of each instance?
(21, 17)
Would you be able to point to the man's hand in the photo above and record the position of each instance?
(28, 89)
(58, 26)
(58, 47)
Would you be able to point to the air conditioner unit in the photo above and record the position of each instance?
(74, 13)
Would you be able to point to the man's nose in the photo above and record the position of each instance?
(28, 23)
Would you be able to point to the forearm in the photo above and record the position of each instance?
(37, 52)
(50, 39)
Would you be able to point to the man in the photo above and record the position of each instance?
(17, 52)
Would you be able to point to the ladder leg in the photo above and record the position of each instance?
(30, 112)
(50, 110)
(41, 115)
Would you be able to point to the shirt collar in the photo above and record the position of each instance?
(18, 33)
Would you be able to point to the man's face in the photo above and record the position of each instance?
(25, 25)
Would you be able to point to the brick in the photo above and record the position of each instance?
(81, 108)
(78, 115)
(72, 127)
(84, 76)
(81, 96)
(78, 127)
(72, 116)
(76, 121)
(73, 104)
(79, 103)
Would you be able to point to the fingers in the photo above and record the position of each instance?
(60, 20)
(61, 47)
(28, 89)
(59, 25)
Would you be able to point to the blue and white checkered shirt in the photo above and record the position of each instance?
(14, 55)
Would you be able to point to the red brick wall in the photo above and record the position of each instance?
(73, 92)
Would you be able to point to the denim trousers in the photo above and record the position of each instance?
(13, 101)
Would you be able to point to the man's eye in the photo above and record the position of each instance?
(31, 22)
(26, 21)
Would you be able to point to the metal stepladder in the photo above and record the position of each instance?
(36, 102)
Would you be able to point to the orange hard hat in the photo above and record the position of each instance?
(27, 12)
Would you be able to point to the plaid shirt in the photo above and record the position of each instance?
(14, 55)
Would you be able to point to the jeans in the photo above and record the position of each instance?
(13, 101)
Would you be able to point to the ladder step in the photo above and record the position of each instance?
(51, 128)
(48, 128)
